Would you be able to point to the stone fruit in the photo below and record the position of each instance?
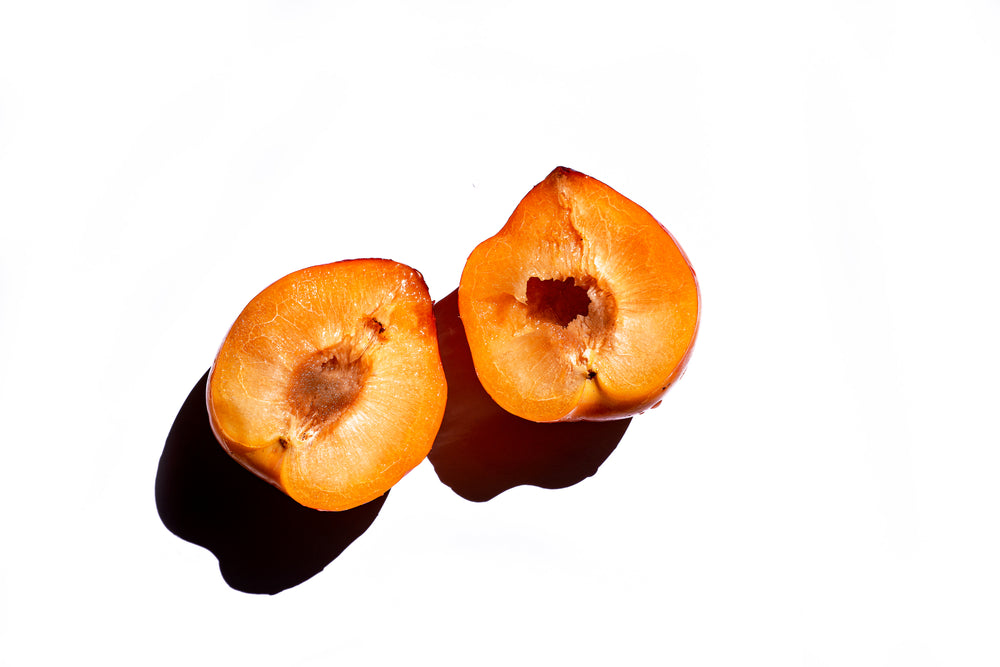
(329, 384)
(582, 307)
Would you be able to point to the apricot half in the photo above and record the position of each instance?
(582, 307)
(329, 384)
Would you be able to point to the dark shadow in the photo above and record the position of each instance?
(264, 540)
(481, 450)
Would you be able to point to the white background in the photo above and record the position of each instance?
(820, 489)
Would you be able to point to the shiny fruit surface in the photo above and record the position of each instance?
(581, 307)
(329, 385)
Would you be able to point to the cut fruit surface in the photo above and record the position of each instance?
(329, 385)
(582, 307)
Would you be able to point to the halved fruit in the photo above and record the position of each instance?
(582, 307)
(329, 385)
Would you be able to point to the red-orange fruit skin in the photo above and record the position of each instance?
(570, 212)
(407, 438)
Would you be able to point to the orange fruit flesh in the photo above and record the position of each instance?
(582, 307)
(329, 385)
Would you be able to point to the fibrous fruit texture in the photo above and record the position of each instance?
(581, 307)
(329, 385)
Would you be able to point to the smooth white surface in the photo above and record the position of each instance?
(821, 487)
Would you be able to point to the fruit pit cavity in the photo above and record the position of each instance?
(325, 384)
(557, 301)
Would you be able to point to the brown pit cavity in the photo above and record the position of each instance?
(325, 384)
(557, 301)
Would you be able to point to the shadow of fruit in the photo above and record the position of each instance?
(264, 540)
(482, 450)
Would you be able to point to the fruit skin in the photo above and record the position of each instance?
(331, 442)
(557, 360)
